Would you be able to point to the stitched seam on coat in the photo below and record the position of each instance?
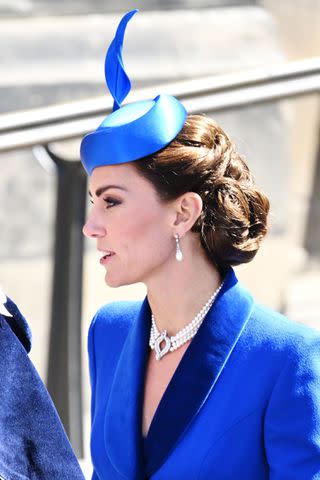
(221, 436)
(276, 382)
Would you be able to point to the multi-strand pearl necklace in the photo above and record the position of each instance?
(183, 336)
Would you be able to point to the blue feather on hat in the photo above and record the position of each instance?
(117, 80)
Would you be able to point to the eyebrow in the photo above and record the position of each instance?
(101, 190)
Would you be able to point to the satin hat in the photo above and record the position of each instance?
(134, 130)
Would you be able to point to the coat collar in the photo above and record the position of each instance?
(206, 357)
(123, 421)
(16, 321)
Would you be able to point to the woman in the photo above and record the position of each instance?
(197, 381)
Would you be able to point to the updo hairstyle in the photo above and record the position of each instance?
(203, 160)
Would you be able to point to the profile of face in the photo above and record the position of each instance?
(132, 227)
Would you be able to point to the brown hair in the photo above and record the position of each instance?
(203, 160)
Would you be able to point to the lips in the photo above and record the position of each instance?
(108, 254)
(106, 257)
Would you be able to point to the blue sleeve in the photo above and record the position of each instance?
(292, 421)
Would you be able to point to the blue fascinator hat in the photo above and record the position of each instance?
(134, 130)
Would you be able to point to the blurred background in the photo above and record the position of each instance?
(52, 53)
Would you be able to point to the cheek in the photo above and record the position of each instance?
(147, 233)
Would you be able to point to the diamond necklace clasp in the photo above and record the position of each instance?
(160, 352)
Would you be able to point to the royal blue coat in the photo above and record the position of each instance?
(243, 403)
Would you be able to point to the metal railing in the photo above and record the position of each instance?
(40, 127)
(214, 93)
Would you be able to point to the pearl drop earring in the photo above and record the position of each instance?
(179, 256)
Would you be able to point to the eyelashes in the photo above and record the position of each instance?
(109, 201)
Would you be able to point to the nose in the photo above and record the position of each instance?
(92, 229)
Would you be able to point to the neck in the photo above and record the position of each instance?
(180, 290)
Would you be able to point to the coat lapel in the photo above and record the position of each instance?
(185, 395)
(123, 421)
(205, 357)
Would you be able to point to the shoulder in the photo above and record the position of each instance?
(282, 335)
(119, 315)
(113, 321)
(267, 333)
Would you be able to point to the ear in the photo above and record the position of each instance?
(188, 208)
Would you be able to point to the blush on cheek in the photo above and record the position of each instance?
(152, 251)
(142, 228)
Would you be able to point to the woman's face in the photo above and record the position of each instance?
(132, 228)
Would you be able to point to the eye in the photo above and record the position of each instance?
(111, 202)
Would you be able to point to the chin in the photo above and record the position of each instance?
(114, 282)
